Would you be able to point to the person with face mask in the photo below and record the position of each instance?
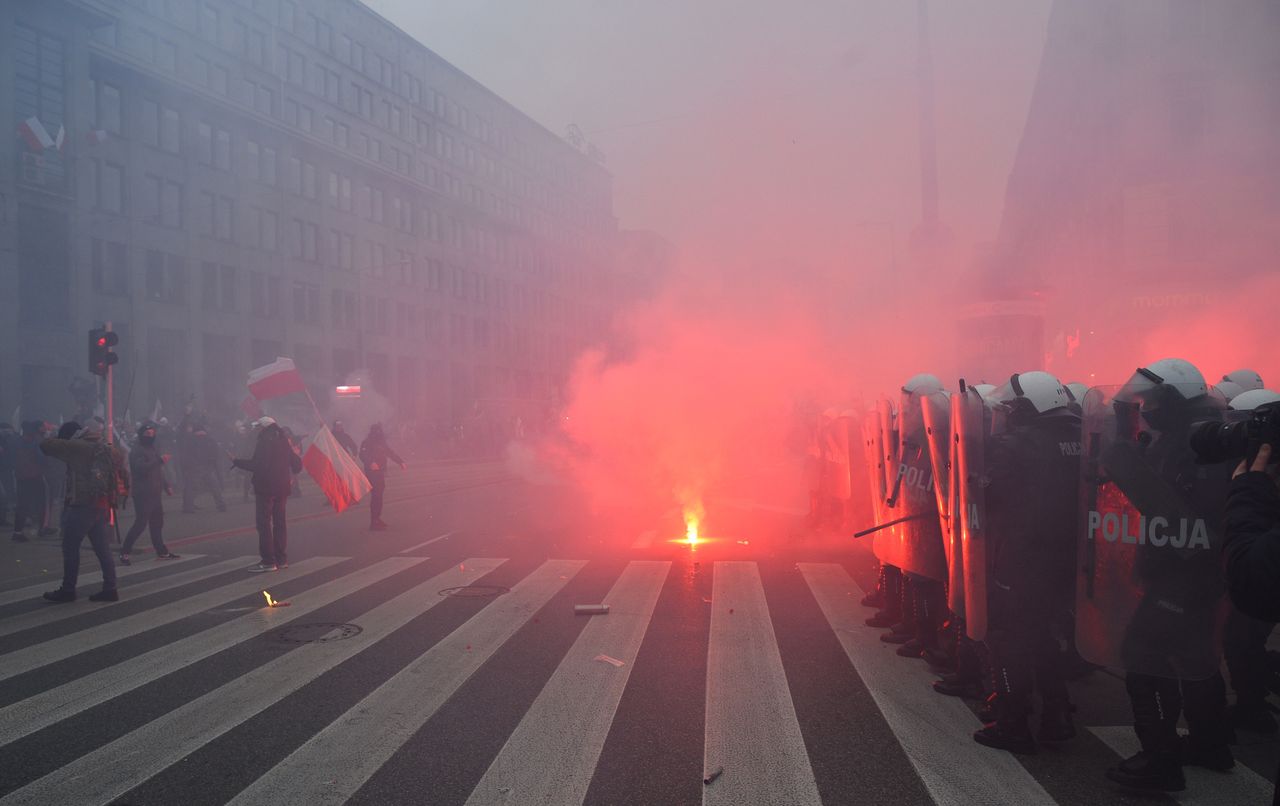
(146, 465)
(376, 453)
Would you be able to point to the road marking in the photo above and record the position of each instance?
(1204, 787)
(551, 755)
(428, 543)
(645, 540)
(66, 646)
(751, 727)
(34, 591)
(934, 731)
(52, 613)
(48, 707)
(113, 769)
(324, 770)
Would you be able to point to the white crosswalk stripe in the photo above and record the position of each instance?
(50, 613)
(752, 728)
(89, 578)
(15, 663)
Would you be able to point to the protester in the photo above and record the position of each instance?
(375, 453)
(146, 466)
(96, 481)
(344, 439)
(273, 465)
(201, 468)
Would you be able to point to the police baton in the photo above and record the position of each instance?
(874, 529)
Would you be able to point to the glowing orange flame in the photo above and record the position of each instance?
(691, 529)
(270, 602)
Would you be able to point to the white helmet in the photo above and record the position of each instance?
(985, 390)
(1246, 379)
(1043, 391)
(922, 384)
(1078, 390)
(1165, 380)
(1228, 390)
(1253, 398)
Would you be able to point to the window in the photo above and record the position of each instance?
(166, 277)
(110, 187)
(149, 131)
(209, 286)
(170, 135)
(308, 180)
(204, 143)
(269, 166)
(171, 205)
(254, 155)
(223, 219)
(109, 107)
(228, 286)
(110, 267)
(222, 150)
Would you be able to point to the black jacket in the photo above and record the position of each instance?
(376, 453)
(146, 467)
(1251, 546)
(273, 463)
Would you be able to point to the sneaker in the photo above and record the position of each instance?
(19, 537)
(168, 555)
(281, 566)
(105, 596)
(124, 559)
(60, 595)
(260, 567)
(1156, 772)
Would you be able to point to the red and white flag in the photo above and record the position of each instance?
(36, 135)
(277, 379)
(335, 471)
(61, 139)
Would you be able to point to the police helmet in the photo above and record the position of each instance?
(1246, 379)
(1253, 398)
(1038, 390)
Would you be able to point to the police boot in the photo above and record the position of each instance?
(1208, 744)
(911, 649)
(1009, 731)
(884, 618)
(1056, 724)
(876, 597)
(956, 685)
(1210, 754)
(899, 633)
(1151, 771)
(1254, 717)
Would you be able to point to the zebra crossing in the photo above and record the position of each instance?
(205, 621)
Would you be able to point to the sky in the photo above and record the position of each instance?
(806, 109)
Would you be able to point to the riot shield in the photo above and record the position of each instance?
(873, 458)
(970, 425)
(912, 496)
(1149, 595)
(887, 545)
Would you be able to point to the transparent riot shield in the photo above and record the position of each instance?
(912, 497)
(1149, 592)
(971, 423)
(887, 545)
(873, 458)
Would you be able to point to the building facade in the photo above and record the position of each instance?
(226, 181)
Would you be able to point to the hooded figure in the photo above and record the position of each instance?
(273, 465)
(146, 466)
(96, 482)
(375, 453)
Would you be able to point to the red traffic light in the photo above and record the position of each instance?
(101, 358)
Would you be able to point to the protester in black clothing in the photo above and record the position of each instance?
(375, 453)
(29, 480)
(146, 467)
(201, 469)
(344, 439)
(1251, 543)
(8, 451)
(273, 465)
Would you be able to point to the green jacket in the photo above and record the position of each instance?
(78, 455)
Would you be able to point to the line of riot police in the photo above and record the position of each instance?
(1037, 531)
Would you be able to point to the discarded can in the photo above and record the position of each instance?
(710, 779)
(591, 610)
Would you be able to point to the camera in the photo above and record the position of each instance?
(1216, 442)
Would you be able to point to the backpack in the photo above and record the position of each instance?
(102, 479)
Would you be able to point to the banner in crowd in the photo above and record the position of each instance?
(334, 470)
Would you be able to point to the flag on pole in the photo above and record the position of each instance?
(277, 379)
(61, 139)
(16, 422)
(36, 135)
(334, 471)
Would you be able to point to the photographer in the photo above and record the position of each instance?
(1251, 550)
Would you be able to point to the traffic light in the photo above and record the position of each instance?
(101, 358)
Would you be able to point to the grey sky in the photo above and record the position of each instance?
(719, 115)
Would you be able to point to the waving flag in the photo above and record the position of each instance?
(36, 135)
(277, 379)
(337, 474)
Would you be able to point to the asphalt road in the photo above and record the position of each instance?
(743, 662)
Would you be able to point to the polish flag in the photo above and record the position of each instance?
(277, 379)
(36, 135)
(335, 471)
